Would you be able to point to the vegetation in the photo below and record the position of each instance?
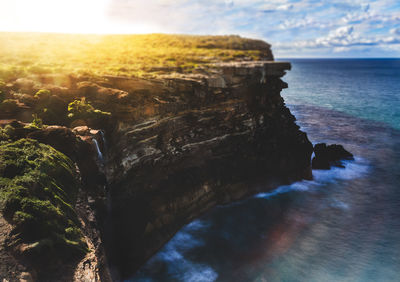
(50, 108)
(43, 94)
(38, 189)
(2, 93)
(37, 123)
(39, 185)
(82, 110)
(8, 106)
(6, 134)
(22, 54)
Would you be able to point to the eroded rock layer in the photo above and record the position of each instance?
(202, 140)
(150, 155)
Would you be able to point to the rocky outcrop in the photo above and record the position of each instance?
(78, 144)
(175, 146)
(331, 155)
(202, 139)
(82, 202)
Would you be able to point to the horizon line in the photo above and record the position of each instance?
(191, 34)
(337, 58)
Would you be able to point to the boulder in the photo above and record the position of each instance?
(60, 138)
(99, 93)
(81, 130)
(80, 151)
(25, 85)
(329, 155)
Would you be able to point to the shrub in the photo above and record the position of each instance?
(5, 133)
(36, 122)
(50, 108)
(43, 94)
(9, 106)
(9, 130)
(80, 109)
(2, 93)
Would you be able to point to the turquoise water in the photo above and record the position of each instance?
(344, 225)
(367, 88)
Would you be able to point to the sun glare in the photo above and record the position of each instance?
(64, 16)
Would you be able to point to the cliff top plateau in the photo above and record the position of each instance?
(22, 54)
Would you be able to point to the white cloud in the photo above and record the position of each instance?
(343, 39)
(395, 31)
(276, 7)
(341, 49)
(302, 23)
(343, 32)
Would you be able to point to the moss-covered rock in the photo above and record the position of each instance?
(82, 110)
(50, 108)
(38, 191)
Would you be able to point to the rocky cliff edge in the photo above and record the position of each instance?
(150, 154)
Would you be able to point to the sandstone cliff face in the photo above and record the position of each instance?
(200, 140)
(176, 146)
(173, 145)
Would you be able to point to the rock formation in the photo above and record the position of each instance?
(208, 139)
(331, 155)
(54, 182)
(175, 146)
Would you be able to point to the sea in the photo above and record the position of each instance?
(344, 225)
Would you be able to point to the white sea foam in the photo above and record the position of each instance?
(174, 253)
(297, 186)
(353, 169)
(179, 267)
(196, 225)
(339, 204)
(200, 273)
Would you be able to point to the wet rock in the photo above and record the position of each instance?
(329, 155)
(94, 137)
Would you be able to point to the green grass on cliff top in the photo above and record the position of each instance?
(22, 54)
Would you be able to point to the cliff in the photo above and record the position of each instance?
(207, 139)
(151, 152)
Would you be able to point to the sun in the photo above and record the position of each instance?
(64, 16)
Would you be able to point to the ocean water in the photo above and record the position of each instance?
(344, 225)
(365, 88)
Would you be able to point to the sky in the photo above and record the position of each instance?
(295, 28)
